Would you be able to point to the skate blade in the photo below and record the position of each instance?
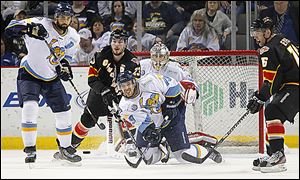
(70, 164)
(256, 168)
(273, 169)
(31, 165)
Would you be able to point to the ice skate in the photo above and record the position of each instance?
(256, 162)
(165, 148)
(130, 148)
(31, 154)
(275, 163)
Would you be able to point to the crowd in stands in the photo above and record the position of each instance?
(181, 25)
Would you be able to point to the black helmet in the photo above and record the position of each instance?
(264, 23)
(63, 8)
(118, 33)
(125, 76)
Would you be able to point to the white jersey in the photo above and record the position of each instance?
(188, 37)
(83, 58)
(146, 107)
(39, 61)
(171, 69)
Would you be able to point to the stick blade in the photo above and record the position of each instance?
(192, 159)
(133, 165)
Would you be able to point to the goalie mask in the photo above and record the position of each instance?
(127, 84)
(159, 55)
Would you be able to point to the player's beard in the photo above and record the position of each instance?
(62, 27)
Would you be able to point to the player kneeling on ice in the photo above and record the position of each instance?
(160, 63)
(154, 105)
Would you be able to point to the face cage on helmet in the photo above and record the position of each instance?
(159, 64)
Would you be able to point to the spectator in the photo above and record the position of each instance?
(164, 21)
(198, 34)
(83, 13)
(105, 7)
(86, 49)
(286, 19)
(10, 7)
(36, 8)
(117, 15)
(104, 39)
(218, 20)
(148, 40)
(18, 43)
(186, 8)
(97, 29)
(75, 23)
(8, 58)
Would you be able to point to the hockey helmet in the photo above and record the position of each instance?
(126, 83)
(265, 23)
(118, 34)
(63, 8)
(159, 55)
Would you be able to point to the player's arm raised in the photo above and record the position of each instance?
(26, 26)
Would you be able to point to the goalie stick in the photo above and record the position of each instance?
(190, 158)
(101, 125)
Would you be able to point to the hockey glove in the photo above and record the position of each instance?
(189, 93)
(170, 107)
(109, 96)
(37, 31)
(64, 71)
(151, 135)
(255, 103)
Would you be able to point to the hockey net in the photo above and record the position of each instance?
(226, 80)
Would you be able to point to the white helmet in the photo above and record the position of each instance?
(159, 55)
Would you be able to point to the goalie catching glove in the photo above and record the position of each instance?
(64, 70)
(189, 92)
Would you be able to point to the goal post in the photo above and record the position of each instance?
(226, 80)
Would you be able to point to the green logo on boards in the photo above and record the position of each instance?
(211, 98)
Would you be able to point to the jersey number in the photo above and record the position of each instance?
(294, 51)
(264, 61)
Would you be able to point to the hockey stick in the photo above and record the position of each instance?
(116, 111)
(190, 158)
(101, 125)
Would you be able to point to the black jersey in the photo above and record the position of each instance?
(279, 59)
(104, 69)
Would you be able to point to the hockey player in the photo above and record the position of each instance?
(40, 73)
(160, 63)
(279, 59)
(146, 103)
(102, 75)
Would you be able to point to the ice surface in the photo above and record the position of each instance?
(95, 166)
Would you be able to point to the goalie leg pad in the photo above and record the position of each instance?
(202, 139)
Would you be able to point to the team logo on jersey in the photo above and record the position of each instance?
(152, 103)
(134, 107)
(264, 49)
(59, 54)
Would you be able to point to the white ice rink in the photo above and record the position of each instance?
(95, 166)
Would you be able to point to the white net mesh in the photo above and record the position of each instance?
(225, 83)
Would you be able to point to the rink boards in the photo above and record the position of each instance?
(11, 115)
